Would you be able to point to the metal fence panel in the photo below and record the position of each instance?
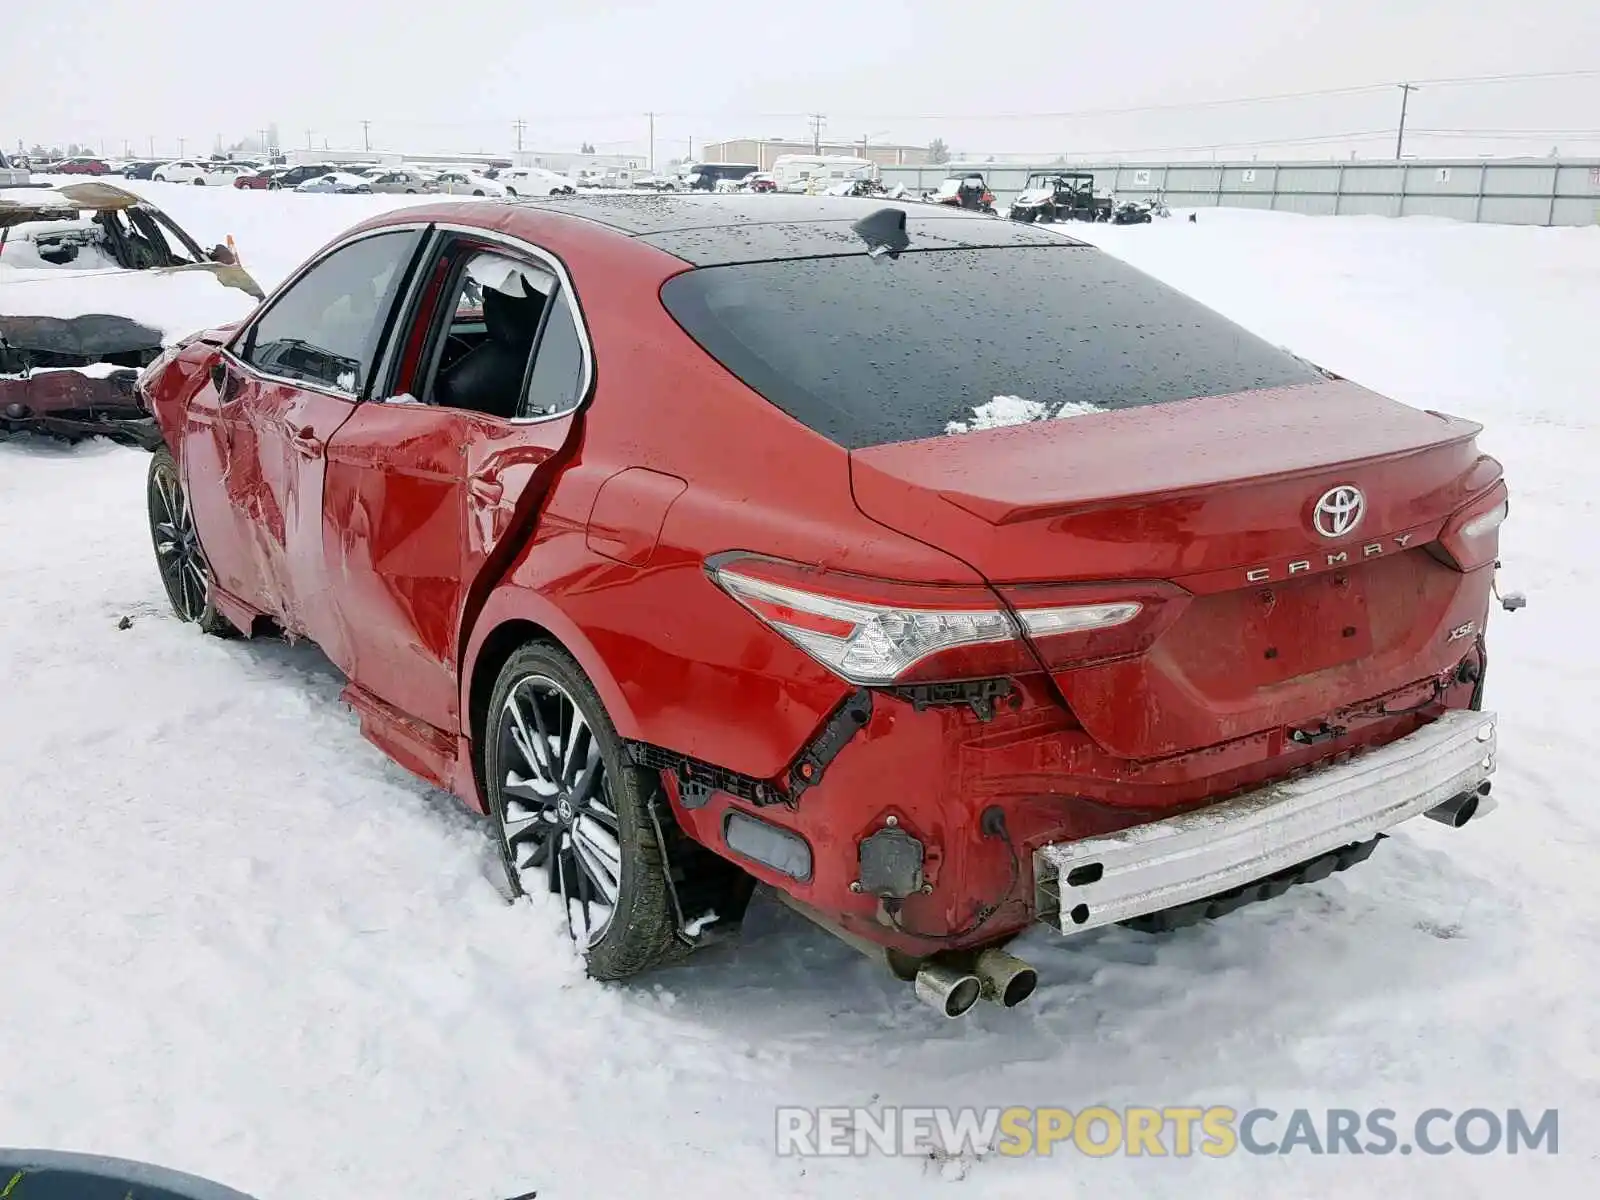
(1374, 205)
(1457, 208)
(1306, 179)
(1515, 210)
(1444, 179)
(1520, 180)
(1576, 179)
(1360, 179)
(1311, 204)
(1575, 210)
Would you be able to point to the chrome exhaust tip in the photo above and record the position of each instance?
(947, 989)
(1006, 979)
(1458, 810)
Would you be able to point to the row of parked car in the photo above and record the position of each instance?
(345, 179)
(409, 179)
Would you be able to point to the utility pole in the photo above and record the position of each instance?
(180, 147)
(652, 117)
(152, 138)
(817, 121)
(519, 125)
(1405, 96)
(308, 139)
(366, 135)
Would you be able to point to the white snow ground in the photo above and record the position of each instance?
(238, 942)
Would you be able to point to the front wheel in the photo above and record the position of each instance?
(184, 571)
(510, 191)
(573, 813)
(477, 191)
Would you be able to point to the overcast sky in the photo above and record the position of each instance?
(434, 77)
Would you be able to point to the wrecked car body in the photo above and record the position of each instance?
(73, 376)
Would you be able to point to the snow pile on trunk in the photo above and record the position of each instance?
(999, 412)
(1014, 410)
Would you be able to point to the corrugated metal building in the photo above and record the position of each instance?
(765, 151)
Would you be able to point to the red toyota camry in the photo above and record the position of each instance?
(940, 572)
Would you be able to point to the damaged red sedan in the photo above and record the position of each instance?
(944, 574)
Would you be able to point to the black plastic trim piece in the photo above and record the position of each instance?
(1276, 884)
(808, 768)
(698, 779)
(981, 695)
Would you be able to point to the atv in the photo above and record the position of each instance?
(965, 190)
(73, 377)
(1132, 212)
(1060, 196)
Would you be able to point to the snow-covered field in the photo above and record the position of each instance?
(238, 942)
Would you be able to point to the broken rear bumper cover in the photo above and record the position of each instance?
(1165, 864)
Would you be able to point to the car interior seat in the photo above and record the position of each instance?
(488, 379)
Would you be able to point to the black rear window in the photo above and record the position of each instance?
(867, 351)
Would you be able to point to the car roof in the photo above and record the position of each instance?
(717, 230)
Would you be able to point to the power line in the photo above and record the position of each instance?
(1518, 77)
(1508, 133)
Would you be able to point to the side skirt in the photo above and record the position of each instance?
(417, 746)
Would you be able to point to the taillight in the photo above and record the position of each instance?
(876, 632)
(1471, 538)
(1145, 610)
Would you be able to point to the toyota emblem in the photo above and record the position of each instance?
(1338, 510)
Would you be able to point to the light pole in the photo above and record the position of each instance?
(1400, 139)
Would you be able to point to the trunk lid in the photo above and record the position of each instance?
(1280, 623)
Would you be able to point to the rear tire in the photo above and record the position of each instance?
(478, 192)
(185, 573)
(199, 183)
(572, 812)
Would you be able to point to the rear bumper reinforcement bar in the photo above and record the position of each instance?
(1161, 865)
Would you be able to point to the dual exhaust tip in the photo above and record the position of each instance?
(1458, 810)
(995, 975)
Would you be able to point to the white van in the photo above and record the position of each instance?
(816, 173)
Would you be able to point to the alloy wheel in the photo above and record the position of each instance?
(183, 566)
(559, 819)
